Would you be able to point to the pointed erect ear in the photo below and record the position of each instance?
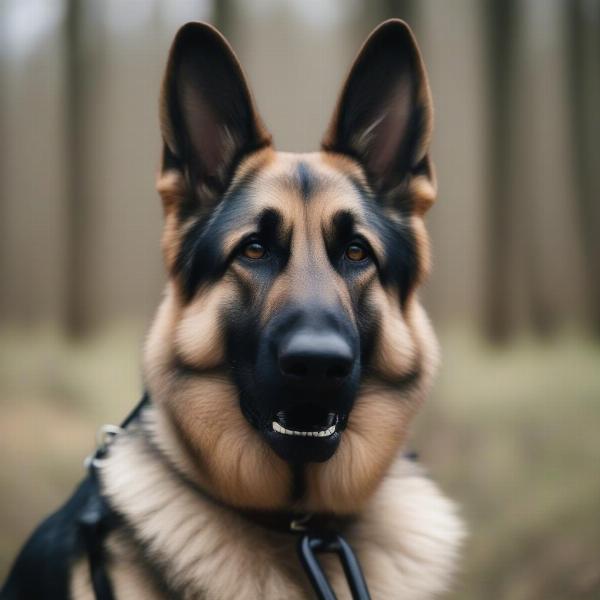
(384, 114)
(208, 119)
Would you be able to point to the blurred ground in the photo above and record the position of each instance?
(510, 434)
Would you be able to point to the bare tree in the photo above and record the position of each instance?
(75, 177)
(223, 15)
(499, 33)
(583, 41)
(403, 9)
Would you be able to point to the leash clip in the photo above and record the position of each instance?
(104, 438)
(330, 542)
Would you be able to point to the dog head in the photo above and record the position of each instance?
(290, 351)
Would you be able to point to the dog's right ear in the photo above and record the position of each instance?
(208, 119)
(384, 115)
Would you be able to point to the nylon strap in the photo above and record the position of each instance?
(96, 520)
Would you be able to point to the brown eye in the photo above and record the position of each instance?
(356, 252)
(254, 251)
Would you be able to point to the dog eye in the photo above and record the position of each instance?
(254, 251)
(356, 252)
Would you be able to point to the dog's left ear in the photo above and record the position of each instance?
(384, 115)
(208, 119)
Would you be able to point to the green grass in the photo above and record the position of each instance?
(512, 434)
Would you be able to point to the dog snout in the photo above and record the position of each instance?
(315, 358)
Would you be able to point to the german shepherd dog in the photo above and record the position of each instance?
(287, 358)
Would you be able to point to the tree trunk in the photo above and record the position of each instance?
(583, 41)
(499, 33)
(75, 314)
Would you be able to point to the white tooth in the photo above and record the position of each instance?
(324, 433)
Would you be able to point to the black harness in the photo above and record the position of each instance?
(315, 534)
(97, 519)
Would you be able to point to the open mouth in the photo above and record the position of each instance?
(304, 433)
(285, 423)
(305, 420)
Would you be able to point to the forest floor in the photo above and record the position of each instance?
(511, 433)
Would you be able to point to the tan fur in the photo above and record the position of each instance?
(423, 190)
(203, 351)
(80, 587)
(172, 189)
(396, 353)
(129, 579)
(406, 537)
(231, 458)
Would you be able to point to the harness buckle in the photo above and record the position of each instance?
(106, 434)
(104, 438)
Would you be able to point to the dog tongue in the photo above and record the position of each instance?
(306, 417)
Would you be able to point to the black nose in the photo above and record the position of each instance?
(314, 357)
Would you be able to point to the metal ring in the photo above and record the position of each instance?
(106, 434)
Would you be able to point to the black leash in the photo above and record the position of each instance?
(97, 520)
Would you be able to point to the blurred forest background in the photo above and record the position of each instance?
(511, 431)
